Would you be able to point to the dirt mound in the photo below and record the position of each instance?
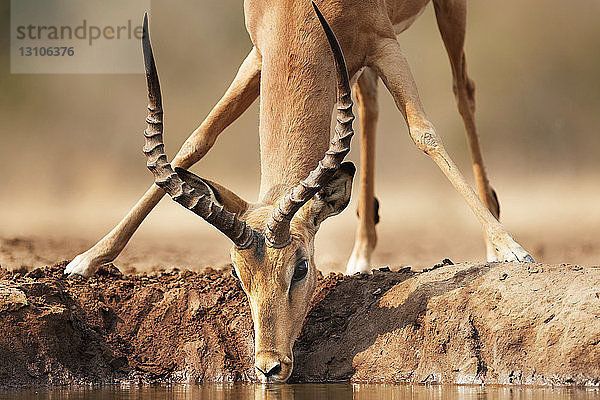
(173, 325)
(498, 323)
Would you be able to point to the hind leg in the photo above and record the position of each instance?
(391, 65)
(451, 18)
(366, 237)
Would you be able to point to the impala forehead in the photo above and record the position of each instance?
(257, 215)
(272, 270)
(262, 263)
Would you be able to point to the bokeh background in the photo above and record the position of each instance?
(71, 164)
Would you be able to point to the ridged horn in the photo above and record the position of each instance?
(277, 232)
(228, 223)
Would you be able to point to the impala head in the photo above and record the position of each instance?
(273, 240)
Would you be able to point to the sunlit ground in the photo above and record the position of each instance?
(421, 224)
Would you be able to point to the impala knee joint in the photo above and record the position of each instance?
(426, 140)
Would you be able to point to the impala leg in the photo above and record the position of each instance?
(239, 96)
(393, 68)
(451, 18)
(366, 236)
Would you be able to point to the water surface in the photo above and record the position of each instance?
(305, 392)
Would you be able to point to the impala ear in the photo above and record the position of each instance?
(334, 197)
(217, 193)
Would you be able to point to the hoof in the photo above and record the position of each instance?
(528, 259)
(81, 265)
(359, 264)
(508, 251)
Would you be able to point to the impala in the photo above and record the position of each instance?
(303, 180)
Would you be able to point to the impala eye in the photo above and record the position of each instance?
(300, 271)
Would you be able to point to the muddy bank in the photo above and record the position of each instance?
(496, 324)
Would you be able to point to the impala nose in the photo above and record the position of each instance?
(273, 369)
(270, 368)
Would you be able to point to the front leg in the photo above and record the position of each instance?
(366, 237)
(389, 62)
(239, 96)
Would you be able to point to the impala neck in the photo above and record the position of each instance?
(297, 95)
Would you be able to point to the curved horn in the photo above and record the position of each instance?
(278, 226)
(240, 234)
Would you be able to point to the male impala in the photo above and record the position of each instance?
(302, 182)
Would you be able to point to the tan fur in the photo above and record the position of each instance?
(278, 310)
(279, 305)
(291, 63)
(366, 236)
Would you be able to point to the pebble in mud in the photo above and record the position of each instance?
(11, 299)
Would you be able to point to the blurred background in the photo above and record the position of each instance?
(71, 162)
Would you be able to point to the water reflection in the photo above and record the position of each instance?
(305, 392)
